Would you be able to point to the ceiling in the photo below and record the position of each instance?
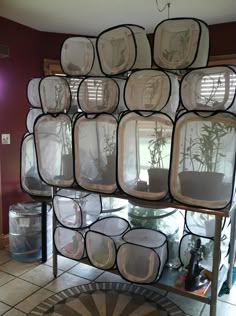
(90, 17)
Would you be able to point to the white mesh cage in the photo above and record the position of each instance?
(96, 70)
(32, 115)
(95, 152)
(33, 92)
(30, 181)
(152, 90)
(188, 242)
(53, 140)
(142, 258)
(103, 239)
(116, 50)
(76, 209)
(98, 94)
(54, 94)
(111, 204)
(211, 88)
(181, 43)
(69, 243)
(144, 143)
(203, 224)
(77, 56)
(203, 159)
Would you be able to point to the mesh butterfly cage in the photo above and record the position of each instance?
(144, 144)
(203, 159)
(211, 88)
(122, 48)
(33, 92)
(103, 239)
(53, 141)
(31, 182)
(143, 256)
(181, 43)
(152, 90)
(54, 94)
(32, 115)
(95, 152)
(76, 209)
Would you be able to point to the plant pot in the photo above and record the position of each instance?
(202, 185)
(158, 180)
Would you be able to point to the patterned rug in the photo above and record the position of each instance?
(107, 299)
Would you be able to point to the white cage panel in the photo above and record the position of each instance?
(210, 88)
(53, 140)
(144, 144)
(30, 180)
(54, 94)
(69, 243)
(98, 94)
(77, 56)
(31, 117)
(152, 90)
(142, 258)
(203, 159)
(181, 43)
(95, 152)
(33, 92)
(78, 210)
(96, 69)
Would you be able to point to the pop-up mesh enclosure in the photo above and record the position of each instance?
(32, 115)
(103, 239)
(211, 88)
(69, 243)
(144, 144)
(123, 48)
(188, 242)
(142, 257)
(31, 182)
(54, 94)
(76, 209)
(53, 141)
(33, 92)
(152, 90)
(203, 159)
(98, 94)
(181, 43)
(95, 152)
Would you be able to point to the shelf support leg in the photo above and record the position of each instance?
(44, 231)
(216, 264)
(232, 247)
(54, 225)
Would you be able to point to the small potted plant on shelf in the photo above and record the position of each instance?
(159, 151)
(201, 159)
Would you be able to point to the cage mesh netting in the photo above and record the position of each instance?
(102, 240)
(142, 257)
(98, 94)
(203, 159)
(77, 56)
(152, 90)
(33, 92)
(95, 152)
(181, 43)
(144, 143)
(31, 182)
(54, 94)
(53, 140)
(122, 48)
(76, 209)
(69, 243)
(211, 88)
(32, 115)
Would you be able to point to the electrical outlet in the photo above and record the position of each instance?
(6, 139)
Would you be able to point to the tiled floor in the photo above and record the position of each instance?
(24, 285)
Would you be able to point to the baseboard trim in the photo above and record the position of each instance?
(4, 241)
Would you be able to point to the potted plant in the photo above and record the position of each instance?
(202, 154)
(158, 175)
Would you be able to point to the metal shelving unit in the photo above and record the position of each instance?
(168, 278)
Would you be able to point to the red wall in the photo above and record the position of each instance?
(27, 48)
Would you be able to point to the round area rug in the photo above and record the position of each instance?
(107, 299)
